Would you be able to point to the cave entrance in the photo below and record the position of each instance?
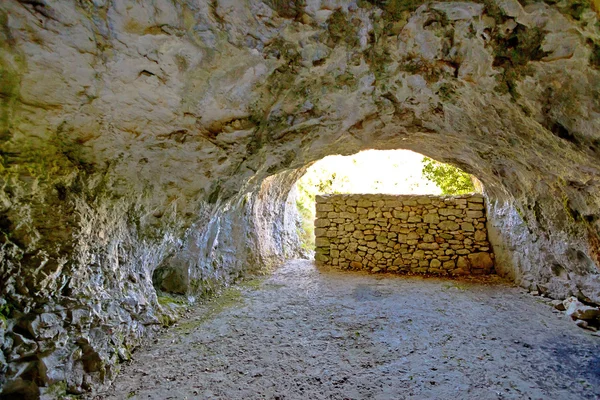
(389, 172)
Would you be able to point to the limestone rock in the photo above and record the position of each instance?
(577, 310)
(481, 261)
(142, 140)
(558, 304)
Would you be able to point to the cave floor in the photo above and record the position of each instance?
(309, 333)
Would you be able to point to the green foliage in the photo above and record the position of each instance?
(450, 179)
(5, 311)
(314, 182)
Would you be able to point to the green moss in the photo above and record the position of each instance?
(595, 56)
(58, 390)
(492, 10)
(521, 214)
(573, 8)
(430, 72)
(229, 297)
(342, 30)
(347, 79)
(394, 9)
(169, 300)
(5, 311)
(253, 284)
(378, 58)
(572, 214)
(287, 8)
(446, 91)
(537, 213)
(513, 54)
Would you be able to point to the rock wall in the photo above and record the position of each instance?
(135, 137)
(405, 234)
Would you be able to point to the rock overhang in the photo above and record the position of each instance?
(137, 137)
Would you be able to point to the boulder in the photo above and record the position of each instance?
(577, 310)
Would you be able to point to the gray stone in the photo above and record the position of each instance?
(577, 310)
(559, 305)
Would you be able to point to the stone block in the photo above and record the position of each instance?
(481, 261)
(463, 263)
(435, 263)
(474, 214)
(475, 206)
(449, 264)
(324, 207)
(467, 227)
(418, 255)
(431, 219)
(321, 242)
(321, 223)
(381, 239)
(400, 214)
(448, 225)
(429, 246)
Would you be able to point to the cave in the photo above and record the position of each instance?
(152, 146)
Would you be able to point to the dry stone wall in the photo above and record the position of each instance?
(406, 234)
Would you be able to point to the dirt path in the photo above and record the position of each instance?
(310, 334)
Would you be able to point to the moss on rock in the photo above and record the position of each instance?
(513, 53)
(341, 29)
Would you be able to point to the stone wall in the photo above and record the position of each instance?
(414, 234)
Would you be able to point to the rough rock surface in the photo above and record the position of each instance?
(405, 234)
(136, 139)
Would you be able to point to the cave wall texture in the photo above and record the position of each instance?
(160, 139)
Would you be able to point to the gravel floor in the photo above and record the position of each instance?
(308, 333)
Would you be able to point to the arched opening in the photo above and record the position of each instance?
(399, 172)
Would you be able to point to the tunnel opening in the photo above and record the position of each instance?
(399, 172)
(393, 211)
